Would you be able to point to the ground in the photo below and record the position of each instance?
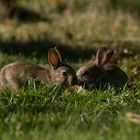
(79, 28)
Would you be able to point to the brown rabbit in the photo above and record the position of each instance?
(101, 72)
(16, 74)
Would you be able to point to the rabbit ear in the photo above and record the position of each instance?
(60, 54)
(53, 58)
(103, 56)
(110, 53)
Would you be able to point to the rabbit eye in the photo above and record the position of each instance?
(86, 73)
(64, 73)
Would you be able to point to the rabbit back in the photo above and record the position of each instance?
(115, 76)
(18, 73)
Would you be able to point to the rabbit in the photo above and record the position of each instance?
(16, 74)
(100, 72)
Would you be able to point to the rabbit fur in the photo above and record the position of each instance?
(100, 72)
(17, 74)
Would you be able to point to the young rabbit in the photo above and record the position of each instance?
(100, 72)
(16, 74)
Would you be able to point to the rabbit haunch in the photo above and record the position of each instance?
(17, 74)
(101, 72)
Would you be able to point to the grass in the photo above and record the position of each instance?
(51, 112)
(55, 113)
(79, 27)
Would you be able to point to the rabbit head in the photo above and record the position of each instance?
(99, 71)
(61, 72)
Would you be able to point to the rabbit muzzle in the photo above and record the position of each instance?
(86, 84)
(83, 83)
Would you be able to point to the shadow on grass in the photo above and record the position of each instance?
(40, 49)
